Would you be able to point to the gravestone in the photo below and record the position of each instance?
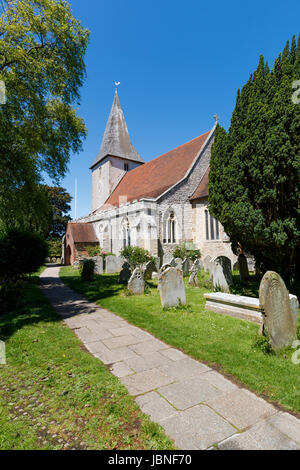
(157, 263)
(167, 258)
(275, 306)
(164, 267)
(125, 273)
(172, 263)
(178, 263)
(113, 264)
(222, 273)
(136, 284)
(294, 303)
(186, 267)
(206, 262)
(243, 267)
(98, 260)
(149, 269)
(171, 287)
(193, 279)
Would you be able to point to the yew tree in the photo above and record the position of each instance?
(254, 186)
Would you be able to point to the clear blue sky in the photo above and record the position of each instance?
(179, 63)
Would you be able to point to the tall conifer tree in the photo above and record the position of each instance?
(254, 188)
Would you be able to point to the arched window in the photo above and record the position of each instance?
(126, 233)
(212, 229)
(170, 228)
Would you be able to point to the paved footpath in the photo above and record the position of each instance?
(197, 407)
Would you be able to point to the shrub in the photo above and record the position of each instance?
(87, 270)
(136, 256)
(186, 250)
(92, 250)
(21, 253)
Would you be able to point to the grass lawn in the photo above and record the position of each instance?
(221, 341)
(55, 395)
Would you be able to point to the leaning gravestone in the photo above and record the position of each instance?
(164, 267)
(167, 258)
(149, 269)
(222, 273)
(186, 267)
(125, 273)
(171, 288)
(98, 260)
(275, 306)
(113, 264)
(243, 267)
(136, 284)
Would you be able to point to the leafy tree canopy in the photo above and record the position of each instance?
(254, 188)
(42, 49)
(60, 202)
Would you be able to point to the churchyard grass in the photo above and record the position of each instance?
(56, 395)
(223, 342)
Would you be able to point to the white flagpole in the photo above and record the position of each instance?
(75, 198)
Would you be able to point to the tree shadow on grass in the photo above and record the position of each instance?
(103, 286)
(34, 308)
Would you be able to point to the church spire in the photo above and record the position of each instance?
(116, 141)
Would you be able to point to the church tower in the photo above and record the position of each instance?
(116, 156)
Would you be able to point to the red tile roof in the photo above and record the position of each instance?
(153, 178)
(83, 233)
(202, 190)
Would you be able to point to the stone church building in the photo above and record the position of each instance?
(155, 205)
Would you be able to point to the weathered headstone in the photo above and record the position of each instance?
(149, 269)
(222, 273)
(173, 263)
(275, 305)
(136, 284)
(294, 303)
(193, 279)
(206, 262)
(171, 288)
(178, 263)
(113, 264)
(164, 267)
(125, 273)
(157, 263)
(186, 267)
(243, 267)
(167, 258)
(98, 260)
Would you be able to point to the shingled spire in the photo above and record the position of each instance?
(116, 141)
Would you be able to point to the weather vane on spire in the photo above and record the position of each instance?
(116, 85)
(216, 117)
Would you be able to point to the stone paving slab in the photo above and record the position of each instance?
(149, 346)
(147, 361)
(184, 369)
(117, 355)
(155, 406)
(198, 407)
(242, 408)
(265, 435)
(145, 381)
(190, 392)
(197, 428)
